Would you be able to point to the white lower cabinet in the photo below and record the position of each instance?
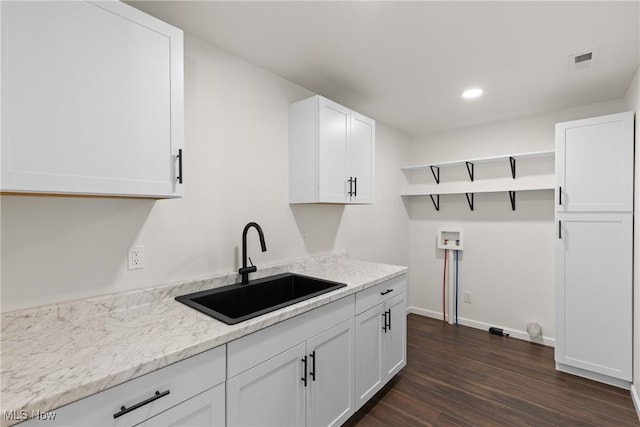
(311, 383)
(381, 336)
(270, 394)
(394, 338)
(594, 295)
(318, 368)
(186, 393)
(330, 384)
(205, 409)
(369, 354)
(315, 369)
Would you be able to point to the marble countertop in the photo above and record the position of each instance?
(54, 355)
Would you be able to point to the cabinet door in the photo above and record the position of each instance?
(594, 293)
(594, 164)
(270, 394)
(394, 339)
(91, 100)
(205, 409)
(330, 391)
(368, 354)
(334, 131)
(362, 157)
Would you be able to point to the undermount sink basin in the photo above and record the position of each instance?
(236, 303)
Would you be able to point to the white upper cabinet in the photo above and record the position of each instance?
(331, 153)
(333, 143)
(92, 100)
(361, 157)
(594, 163)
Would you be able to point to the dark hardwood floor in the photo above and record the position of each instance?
(460, 376)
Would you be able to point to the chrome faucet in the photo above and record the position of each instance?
(246, 270)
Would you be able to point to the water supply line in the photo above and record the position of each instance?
(444, 288)
(450, 288)
(456, 287)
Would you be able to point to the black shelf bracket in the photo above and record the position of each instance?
(436, 201)
(470, 170)
(435, 171)
(512, 161)
(469, 200)
(512, 198)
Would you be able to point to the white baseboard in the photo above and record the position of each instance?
(522, 335)
(616, 382)
(636, 399)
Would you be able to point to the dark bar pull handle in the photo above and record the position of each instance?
(312, 374)
(389, 319)
(386, 292)
(179, 166)
(350, 193)
(304, 378)
(355, 186)
(560, 196)
(125, 410)
(384, 324)
(559, 229)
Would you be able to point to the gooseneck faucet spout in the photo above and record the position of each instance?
(244, 271)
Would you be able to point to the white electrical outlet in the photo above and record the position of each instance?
(467, 297)
(136, 257)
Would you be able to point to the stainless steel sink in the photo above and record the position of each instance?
(236, 303)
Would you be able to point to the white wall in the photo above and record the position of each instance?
(632, 103)
(61, 248)
(508, 260)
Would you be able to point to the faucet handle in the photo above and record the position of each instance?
(250, 262)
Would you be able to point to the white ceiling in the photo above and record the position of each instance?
(406, 63)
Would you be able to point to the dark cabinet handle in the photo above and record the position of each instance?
(179, 166)
(560, 196)
(559, 229)
(353, 186)
(389, 320)
(312, 374)
(386, 292)
(125, 410)
(304, 378)
(384, 322)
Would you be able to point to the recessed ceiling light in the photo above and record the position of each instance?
(472, 93)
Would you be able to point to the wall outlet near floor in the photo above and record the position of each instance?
(467, 297)
(136, 257)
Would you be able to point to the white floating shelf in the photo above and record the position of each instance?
(533, 154)
(510, 184)
(524, 183)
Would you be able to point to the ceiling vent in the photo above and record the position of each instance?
(583, 57)
(582, 60)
